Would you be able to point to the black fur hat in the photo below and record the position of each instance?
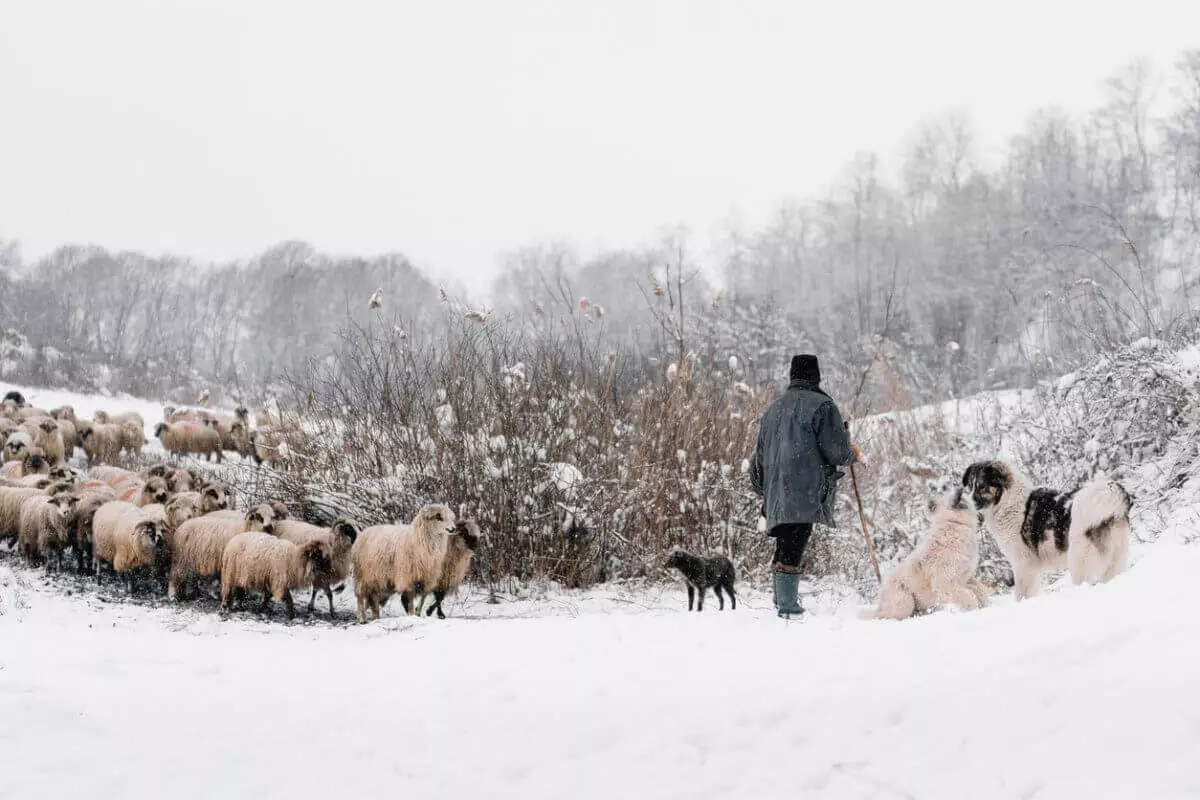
(806, 368)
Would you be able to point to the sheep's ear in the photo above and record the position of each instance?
(932, 504)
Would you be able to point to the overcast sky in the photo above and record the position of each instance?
(451, 131)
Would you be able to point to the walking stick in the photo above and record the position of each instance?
(862, 517)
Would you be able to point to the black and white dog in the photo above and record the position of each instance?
(1041, 530)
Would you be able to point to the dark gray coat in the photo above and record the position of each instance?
(802, 440)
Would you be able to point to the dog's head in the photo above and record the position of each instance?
(676, 560)
(986, 482)
(956, 498)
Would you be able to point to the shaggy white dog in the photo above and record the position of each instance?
(1041, 530)
(941, 570)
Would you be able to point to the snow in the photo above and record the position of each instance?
(1083, 692)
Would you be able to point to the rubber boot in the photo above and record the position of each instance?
(787, 592)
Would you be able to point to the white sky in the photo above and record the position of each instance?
(451, 131)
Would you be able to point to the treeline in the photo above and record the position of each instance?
(955, 275)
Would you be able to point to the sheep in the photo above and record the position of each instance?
(130, 417)
(132, 425)
(172, 414)
(178, 479)
(17, 445)
(400, 558)
(29, 412)
(340, 537)
(47, 436)
(101, 442)
(261, 562)
(127, 537)
(199, 542)
(11, 499)
(45, 525)
(275, 444)
(16, 398)
(144, 493)
(184, 438)
(7, 427)
(32, 463)
(459, 551)
(90, 501)
(178, 510)
(110, 475)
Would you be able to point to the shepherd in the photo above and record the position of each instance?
(802, 440)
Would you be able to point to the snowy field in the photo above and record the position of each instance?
(1079, 693)
(614, 692)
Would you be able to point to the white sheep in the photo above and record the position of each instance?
(17, 445)
(186, 438)
(273, 566)
(46, 435)
(340, 537)
(45, 526)
(199, 543)
(125, 536)
(101, 442)
(400, 558)
(11, 499)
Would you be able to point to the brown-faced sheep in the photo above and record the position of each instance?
(200, 542)
(128, 538)
(400, 558)
(144, 493)
(178, 479)
(459, 551)
(101, 442)
(340, 538)
(188, 438)
(47, 436)
(45, 527)
(275, 567)
(32, 463)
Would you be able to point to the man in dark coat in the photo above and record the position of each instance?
(802, 440)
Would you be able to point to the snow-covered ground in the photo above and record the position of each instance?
(1079, 693)
(612, 692)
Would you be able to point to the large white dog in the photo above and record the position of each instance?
(1040, 530)
(941, 569)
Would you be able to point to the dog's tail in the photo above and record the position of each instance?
(1099, 533)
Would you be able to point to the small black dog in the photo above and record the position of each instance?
(702, 573)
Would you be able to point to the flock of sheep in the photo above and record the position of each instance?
(168, 526)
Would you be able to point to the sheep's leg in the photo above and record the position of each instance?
(266, 602)
(720, 598)
(329, 594)
(732, 596)
(700, 598)
(438, 594)
(691, 596)
(288, 604)
(312, 602)
(362, 610)
(406, 602)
